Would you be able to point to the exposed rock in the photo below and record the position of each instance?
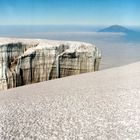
(26, 61)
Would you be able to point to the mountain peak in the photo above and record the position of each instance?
(116, 28)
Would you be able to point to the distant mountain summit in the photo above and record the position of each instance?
(117, 28)
(130, 35)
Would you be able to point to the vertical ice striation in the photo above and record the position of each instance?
(26, 61)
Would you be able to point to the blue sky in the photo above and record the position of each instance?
(76, 12)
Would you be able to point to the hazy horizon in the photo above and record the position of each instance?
(115, 49)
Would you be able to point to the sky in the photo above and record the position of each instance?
(69, 12)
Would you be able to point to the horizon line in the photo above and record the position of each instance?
(66, 25)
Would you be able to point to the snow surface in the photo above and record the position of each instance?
(44, 43)
(103, 105)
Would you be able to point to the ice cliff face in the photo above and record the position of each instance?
(26, 61)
